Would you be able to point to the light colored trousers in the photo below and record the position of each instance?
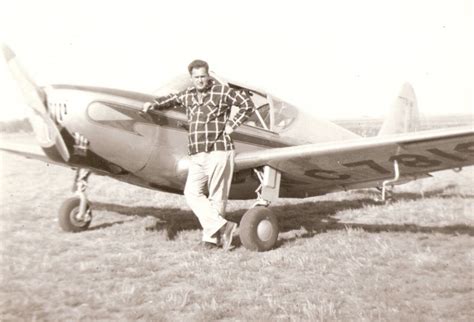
(209, 172)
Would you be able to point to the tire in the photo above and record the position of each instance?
(259, 229)
(67, 216)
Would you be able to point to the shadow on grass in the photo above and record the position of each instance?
(436, 193)
(106, 225)
(171, 220)
(314, 217)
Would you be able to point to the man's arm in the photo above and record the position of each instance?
(163, 102)
(246, 108)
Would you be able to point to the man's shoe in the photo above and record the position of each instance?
(227, 235)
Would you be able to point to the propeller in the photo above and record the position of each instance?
(45, 129)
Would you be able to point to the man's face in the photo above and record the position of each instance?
(200, 78)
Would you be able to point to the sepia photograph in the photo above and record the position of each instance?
(237, 161)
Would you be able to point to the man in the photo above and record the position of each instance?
(208, 106)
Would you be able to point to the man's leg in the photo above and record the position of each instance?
(220, 171)
(194, 192)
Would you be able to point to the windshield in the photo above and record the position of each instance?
(284, 114)
(261, 116)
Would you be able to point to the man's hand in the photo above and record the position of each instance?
(229, 129)
(147, 106)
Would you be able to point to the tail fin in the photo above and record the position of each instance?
(403, 116)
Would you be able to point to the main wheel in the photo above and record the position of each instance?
(69, 219)
(259, 229)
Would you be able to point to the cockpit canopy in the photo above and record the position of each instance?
(272, 114)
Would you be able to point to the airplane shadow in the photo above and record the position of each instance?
(315, 217)
(170, 220)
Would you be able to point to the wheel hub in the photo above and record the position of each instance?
(264, 230)
(78, 220)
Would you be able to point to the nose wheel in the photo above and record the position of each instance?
(70, 218)
(75, 213)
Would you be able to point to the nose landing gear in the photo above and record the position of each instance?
(75, 214)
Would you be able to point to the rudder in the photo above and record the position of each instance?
(403, 116)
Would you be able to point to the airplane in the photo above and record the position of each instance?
(281, 151)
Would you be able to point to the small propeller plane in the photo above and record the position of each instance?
(281, 151)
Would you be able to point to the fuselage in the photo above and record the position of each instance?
(151, 150)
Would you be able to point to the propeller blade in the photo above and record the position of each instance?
(58, 140)
(35, 97)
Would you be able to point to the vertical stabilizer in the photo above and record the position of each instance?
(403, 116)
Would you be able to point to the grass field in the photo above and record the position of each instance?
(339, 257)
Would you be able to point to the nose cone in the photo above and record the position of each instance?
(7, 52)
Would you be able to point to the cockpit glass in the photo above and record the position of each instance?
(261, 116)
(284, 114)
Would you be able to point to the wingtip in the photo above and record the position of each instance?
(7, 52)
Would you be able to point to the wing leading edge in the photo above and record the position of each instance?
(29, 151)
(315, 169)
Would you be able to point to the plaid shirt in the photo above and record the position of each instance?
(207, 120)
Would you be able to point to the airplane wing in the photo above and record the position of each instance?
(29, 151)
(315, 169)
(35, 152)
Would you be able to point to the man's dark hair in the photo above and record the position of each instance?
(198, 64)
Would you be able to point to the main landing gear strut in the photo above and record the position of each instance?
(259, 226)
(75, 213)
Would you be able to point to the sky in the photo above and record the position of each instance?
(335, 59)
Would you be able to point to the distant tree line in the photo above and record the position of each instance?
(15, 126)
(371, 127)
(365, 127)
